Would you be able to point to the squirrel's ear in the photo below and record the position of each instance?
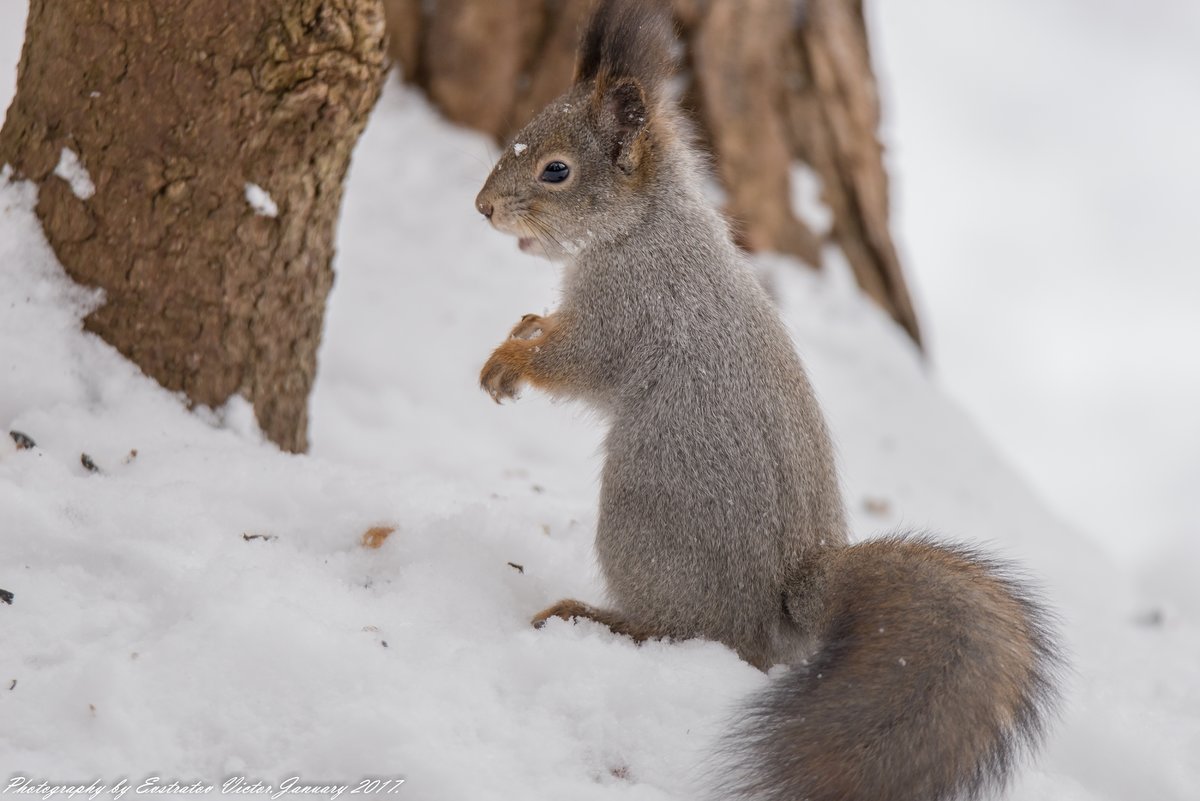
(623, 116)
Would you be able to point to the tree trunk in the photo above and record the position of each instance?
(769, 82)
(189, 158)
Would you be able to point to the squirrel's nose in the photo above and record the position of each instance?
(485, 208)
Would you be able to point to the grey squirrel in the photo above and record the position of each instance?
(919, 670)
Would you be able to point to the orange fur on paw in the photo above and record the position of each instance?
(512, 364)
(564, 610)
(376, 535)
(570, 609)
(501, 377)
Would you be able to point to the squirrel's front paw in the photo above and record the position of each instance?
(565, 609)
(502, 375)
(530, 326)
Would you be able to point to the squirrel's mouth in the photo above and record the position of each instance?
(532, 246)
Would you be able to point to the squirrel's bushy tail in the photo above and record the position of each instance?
(935, 669)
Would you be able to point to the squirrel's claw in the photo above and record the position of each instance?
(530, 326)
(500, 378)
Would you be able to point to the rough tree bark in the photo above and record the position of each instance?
(172, 109)
(769, 82)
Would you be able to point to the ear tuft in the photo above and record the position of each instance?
(627, 39)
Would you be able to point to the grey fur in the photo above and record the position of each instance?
(714, 427)
(720, 511)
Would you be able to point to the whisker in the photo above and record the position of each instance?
(565, 242)
(553, 229)
(487, 163)
(542, 226)
(541, 240)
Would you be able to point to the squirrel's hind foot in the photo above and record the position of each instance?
(570, 609)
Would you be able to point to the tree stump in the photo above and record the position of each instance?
(189, 159)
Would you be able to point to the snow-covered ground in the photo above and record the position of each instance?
(149, 637)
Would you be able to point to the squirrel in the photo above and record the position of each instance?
(919, 671)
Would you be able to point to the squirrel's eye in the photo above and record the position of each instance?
(555, 172)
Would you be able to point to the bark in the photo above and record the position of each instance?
(834, 116)
(476, 91)
(738, 51)
(173, 108)
(768, 82)
(404, 27)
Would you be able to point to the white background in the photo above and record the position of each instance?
(1046, 170)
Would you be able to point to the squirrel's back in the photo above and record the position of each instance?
(713, 427)
(713, 423)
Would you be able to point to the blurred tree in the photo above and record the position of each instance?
(189, 159)
(769, 82)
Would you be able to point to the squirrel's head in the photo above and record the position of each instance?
(578, 171)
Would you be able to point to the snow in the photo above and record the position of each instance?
(153, 635)
(807, 204)
(519, 148)
(260, 200)
(71, 170)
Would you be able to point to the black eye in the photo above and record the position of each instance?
(555, 172)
